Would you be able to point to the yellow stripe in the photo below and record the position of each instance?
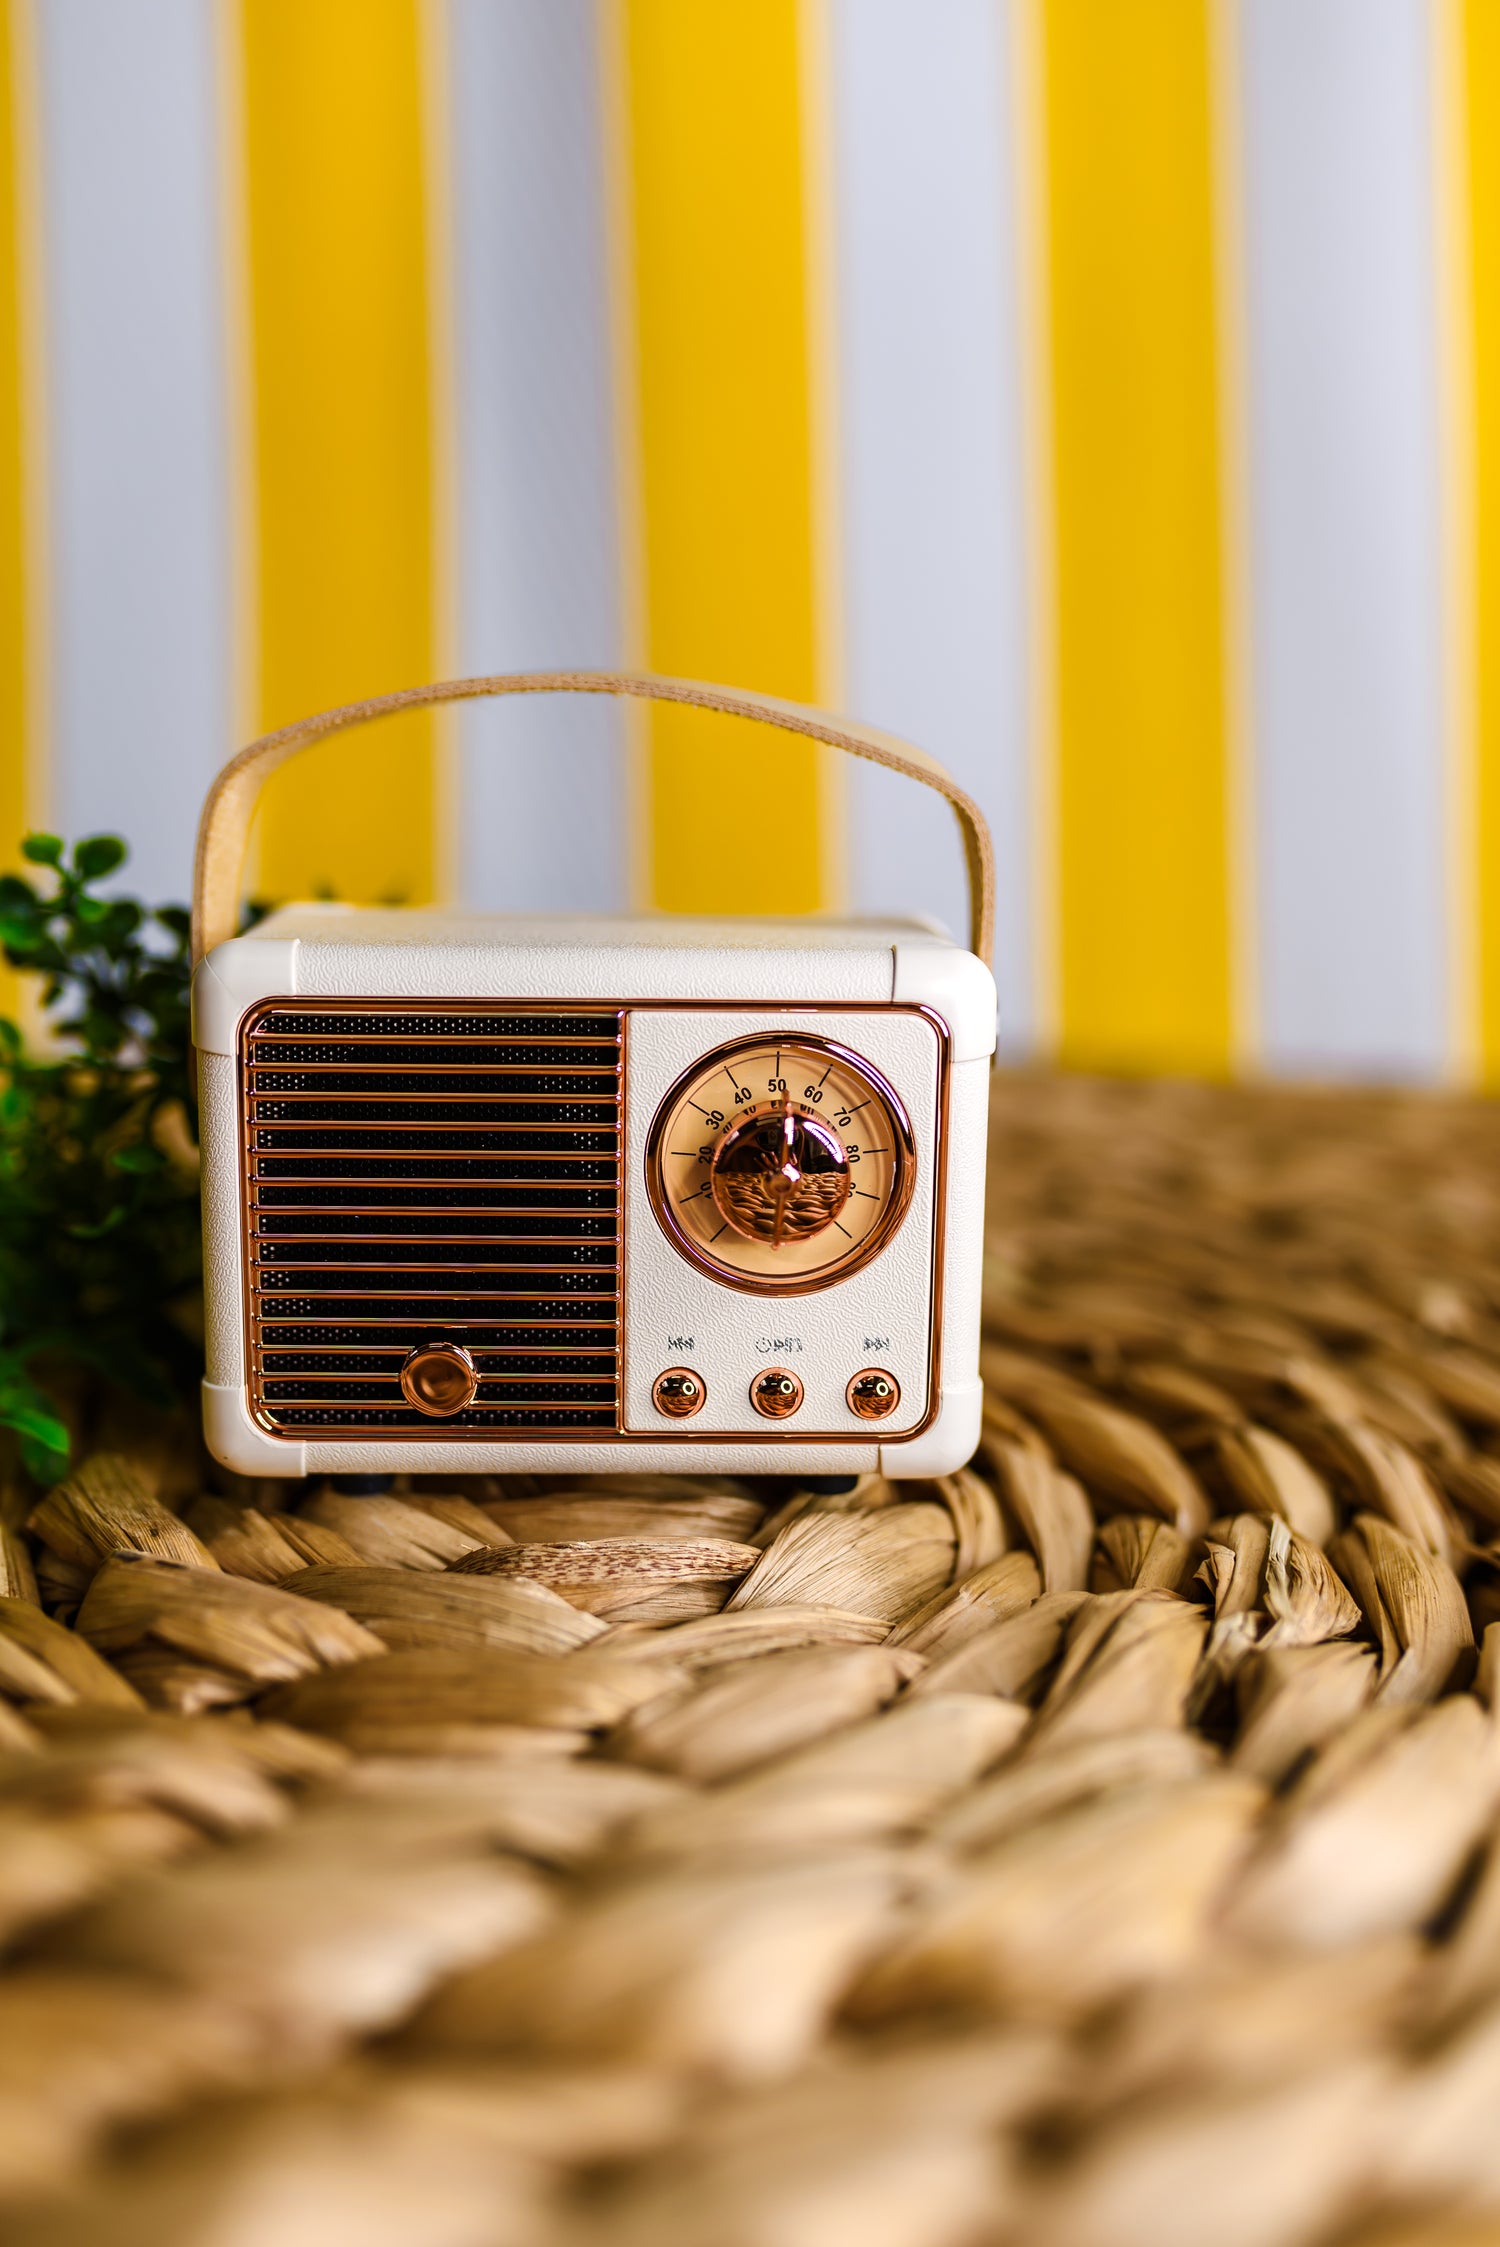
(725, 474)
(1479, 63)
(341, 430)
(1139, 789)
(21, 666)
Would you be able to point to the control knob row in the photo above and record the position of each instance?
(679, 1393)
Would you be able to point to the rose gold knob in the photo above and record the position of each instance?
(873, 1394)
(779, 1178)
(439, 1378)
(679, 1392)
(776, 1394)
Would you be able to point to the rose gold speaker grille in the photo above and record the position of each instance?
(422, 1173)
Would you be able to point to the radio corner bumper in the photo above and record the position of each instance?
(237, 1443)
(946, 1445)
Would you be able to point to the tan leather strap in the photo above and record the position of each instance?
(225, 826)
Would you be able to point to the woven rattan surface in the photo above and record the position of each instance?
(1093, 1849)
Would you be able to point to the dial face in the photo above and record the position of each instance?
(780, 1165)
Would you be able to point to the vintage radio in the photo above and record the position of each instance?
(570, 1194)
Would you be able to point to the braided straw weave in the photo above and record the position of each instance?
(1091, 1849)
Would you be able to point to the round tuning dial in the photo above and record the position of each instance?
(780, 1165)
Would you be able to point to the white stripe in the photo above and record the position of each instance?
(1343, 482)
(139, 507)
(544, 784)
(934, 603)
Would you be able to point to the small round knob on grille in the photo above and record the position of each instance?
(776, 1394)
(679, 1392)
(873, 1394)
(439, 1378)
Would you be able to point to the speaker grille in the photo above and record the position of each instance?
(421, 1174)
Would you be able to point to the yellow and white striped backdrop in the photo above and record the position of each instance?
(1104, 392)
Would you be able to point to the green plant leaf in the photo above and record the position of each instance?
(45, 1460)
(139, 1159)
(97, 856)
(44, 1438)
(100, 1033)
(100, 1244)
(42, 850)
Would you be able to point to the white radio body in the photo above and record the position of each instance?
(570, 1195)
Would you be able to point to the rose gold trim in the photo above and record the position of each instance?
(459, 1210)
(399, 1153)
(903, 1183)
(486, 1380)
(438, 1295)
(439, 1240)
(622, 1008)
(477, 1343)
(622, 1340)
(466, 1122)
(516, 1154)
(507, 1044)
(475, 1403)
(782, 1400)
(679, 1406)
(395, 1209)
(516, 1099)
(398, 1349)
(443, 1321)
(432, 1295)
(411, 1037)
(492, 1066)
(420, 1069)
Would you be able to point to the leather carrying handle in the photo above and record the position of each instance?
(224, 828)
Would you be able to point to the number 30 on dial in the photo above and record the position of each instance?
(780, 1166)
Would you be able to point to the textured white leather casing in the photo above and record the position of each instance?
(933, 1259)
(346, 952)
